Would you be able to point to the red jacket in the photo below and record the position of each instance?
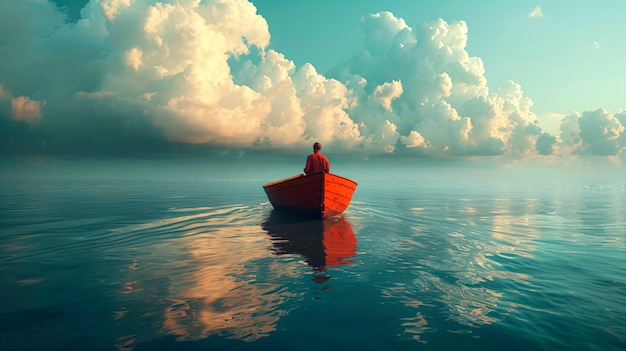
(317, 163)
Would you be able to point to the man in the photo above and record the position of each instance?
(316, 162)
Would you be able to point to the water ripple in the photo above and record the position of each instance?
(423, 265)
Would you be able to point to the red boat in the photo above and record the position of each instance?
(322, 195)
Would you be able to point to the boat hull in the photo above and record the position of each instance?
(322, 195)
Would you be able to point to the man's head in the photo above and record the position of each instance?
(317, 146)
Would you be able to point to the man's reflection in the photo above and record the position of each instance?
(323, 243)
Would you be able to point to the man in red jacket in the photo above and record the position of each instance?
(316, 162)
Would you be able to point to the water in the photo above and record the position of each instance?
(417, 263)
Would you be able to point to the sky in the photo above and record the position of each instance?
(366, 78)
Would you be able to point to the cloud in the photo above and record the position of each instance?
(536, 12)
(111, 8)
(123, 52)
(445, 105)
(595, 45)
(387, 92)
(601, 132)
(26, 110)
(414, 139)
(596, 132)
(153, 77)
(23, 109)
(546, 144)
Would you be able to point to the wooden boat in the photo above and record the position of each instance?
(322, 195)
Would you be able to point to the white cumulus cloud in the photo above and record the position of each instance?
(386, 93)
(536, 12)
(445, 103)
(142, 74)
(596, 132)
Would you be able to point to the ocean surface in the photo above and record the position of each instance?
(437, 259)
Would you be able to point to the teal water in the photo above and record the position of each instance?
(426, 263)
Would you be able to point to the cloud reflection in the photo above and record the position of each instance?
(209, 273)
(234, 287)
(456, 261)
(224, 294)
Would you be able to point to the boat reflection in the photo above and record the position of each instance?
(323, 243)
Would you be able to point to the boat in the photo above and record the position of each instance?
(321, 195)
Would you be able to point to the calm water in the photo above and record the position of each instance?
(415, 264)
